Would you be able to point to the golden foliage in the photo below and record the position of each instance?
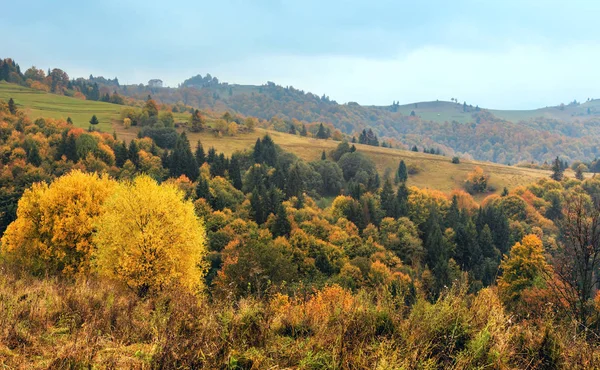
(150, 238)
(54, 225)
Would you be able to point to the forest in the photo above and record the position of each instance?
(161, 253)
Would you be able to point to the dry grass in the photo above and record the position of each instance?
(53, 324)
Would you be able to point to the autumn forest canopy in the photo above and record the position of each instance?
(138, 247)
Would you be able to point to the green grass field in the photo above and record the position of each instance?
(436, 171)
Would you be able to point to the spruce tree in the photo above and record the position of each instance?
(94, 120)
(182, 160)
(257, 152)
(133, 153)
(557, 170)
(323, 156)
(69, 121)
(235, 174)
(120, 154)
(33, 155)
(203, 189)
(321, 133)
(415, 149)
(199, 154)
(303, 131)
(401, 173)
(387, 199)
(12, 107)
(281, 226)
(71, 148)
(401, 201)
(256, 206)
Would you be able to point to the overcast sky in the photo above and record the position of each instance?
(495, 54)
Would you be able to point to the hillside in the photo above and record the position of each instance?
(501, 136)
(570, 131)
(436, 171)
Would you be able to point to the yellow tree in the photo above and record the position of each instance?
(150, 238)
(523, 269)
(54, 225)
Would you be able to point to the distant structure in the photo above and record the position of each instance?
(155, 83)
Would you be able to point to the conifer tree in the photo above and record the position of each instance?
(415, 149)
(120, 154)
(134, 153)
(321, 133)
(234, 172)
(281, 226)
(94, 120)
(401, 173)
(256, 206)
(401, 201)
(257, 152)
(182, 160)
(199, 154)
(303, 131)
(323, 156)
(12, 107)
(557, 170)
(69, 121)
(387, 199)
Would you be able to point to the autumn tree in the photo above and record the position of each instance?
(577, 261)
(53, 230)
(524, 268)
(150, 238)
(477, 181)
(197, 122)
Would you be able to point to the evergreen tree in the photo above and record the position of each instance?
(12, 107)
(323, 156)
(94, 120)
(134, 153)
(557, 170)
(322, 133)
(292, 129)
(353, 139)
(203, 189)
(401, 173)
(295, 184)
(401, 201)
(352, 148)
(212, 156)
(257, 152)
(269, 151)
(303, 131)
(182, 160)
(437, 252)
(71, 148)
(69, 121)
(281, 226)
(504, 192)
(120, 154)
(387, 199)
(33, 155)
(415, 149)
(453, 215)
(235, 175)
(256, 206)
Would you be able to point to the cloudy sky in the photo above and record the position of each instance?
(498, 54)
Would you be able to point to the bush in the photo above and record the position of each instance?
(455, 160)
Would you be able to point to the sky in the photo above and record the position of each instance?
(495, 54)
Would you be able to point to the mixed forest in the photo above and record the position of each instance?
(158, 252)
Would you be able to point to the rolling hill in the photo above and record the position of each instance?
(436, 172)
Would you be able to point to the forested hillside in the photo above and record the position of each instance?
(571, 131)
